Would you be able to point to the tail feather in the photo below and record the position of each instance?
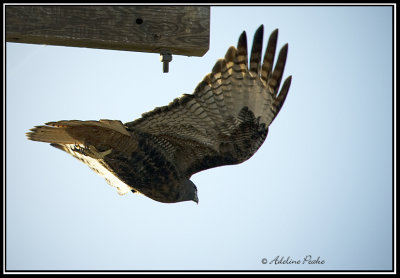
(109, 124)
(103, 134)
(58, 146)
(90, 142)
(51, 134)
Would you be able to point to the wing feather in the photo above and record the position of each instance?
(226, 119)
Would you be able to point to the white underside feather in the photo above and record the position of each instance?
(97, 166)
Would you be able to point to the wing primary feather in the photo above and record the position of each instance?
(280, 100)
(241, 54)
(256, 49)
(276, 78)
(269, 56)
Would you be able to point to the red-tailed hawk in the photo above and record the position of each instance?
(224, 122)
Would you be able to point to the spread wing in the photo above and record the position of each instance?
(227, 117)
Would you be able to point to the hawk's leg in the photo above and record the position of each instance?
(91, 151)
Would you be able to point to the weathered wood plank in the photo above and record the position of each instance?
(182, 30)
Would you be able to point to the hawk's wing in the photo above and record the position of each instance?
(226, 119)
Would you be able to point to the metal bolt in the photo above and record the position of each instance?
(165, 58)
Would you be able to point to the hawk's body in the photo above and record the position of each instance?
(223, 122)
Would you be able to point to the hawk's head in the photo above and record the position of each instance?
(189, 192)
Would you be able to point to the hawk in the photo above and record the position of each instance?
(224, 122)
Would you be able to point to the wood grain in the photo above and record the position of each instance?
(182, 30)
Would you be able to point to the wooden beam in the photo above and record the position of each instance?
(182, 30)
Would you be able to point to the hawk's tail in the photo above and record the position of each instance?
(91, 142)
(75, 132)
(50, 134)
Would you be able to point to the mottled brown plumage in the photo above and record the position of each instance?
(224, 122)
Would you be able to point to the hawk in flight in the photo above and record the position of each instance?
(224, 122)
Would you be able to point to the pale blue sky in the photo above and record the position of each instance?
(320, 185)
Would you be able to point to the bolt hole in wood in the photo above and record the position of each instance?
(139, 20)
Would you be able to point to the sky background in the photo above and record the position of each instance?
(320, 185)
